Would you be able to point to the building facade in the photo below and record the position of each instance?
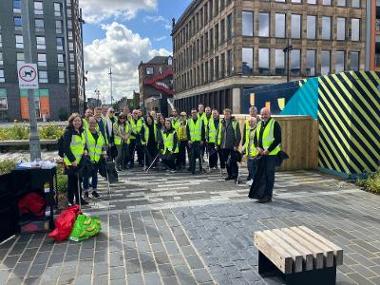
(373, 33)
(57, 48)
(222, 47)
(156, 83)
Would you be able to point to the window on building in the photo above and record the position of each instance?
(211, 70)
(354, 58)
(311, 27)
(296, 1)
(3, 100)
(19, 41)
(355, 3)
(217, 74)
(58, 27)
(310, 62)
(206, 71)
(57, 9)
(355, 30)
(247, 60)
(69, 24)
(341, 3)
(229, 62)
(1, 41)
(339, 61)
(20, 57)
(247, 22)
(211, 10)
(2, 77)
(70, 35)
(61, 77)
(72, 67)
(41, 43)
(16, 6)
(279, 62)
(43, 76)
(229, 27)
(69, 13)
(149, 70)
(326, 28)
(18, 22)
(295, 62)
(1, 58)
(341, 29)
(312, 2)
(280, 22)
(216, 35)
(296, 26)
(38, 8)
(60, 44)
(326, 2)
(39, 25)
(263, 60)
(222, 31)
(211, 33)
(264, 25)
(41, 59)
(71, 56)
(325, 62)
(283, 1)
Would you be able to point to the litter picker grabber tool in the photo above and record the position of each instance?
(154, 161)
(78, 192)
(108, 185)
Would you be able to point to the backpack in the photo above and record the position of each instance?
(61, 151)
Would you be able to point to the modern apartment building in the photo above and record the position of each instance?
(222, 47)
(57, 48)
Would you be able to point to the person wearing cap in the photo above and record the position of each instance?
(183, 140)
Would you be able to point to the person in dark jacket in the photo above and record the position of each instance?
(229, 140)
(151, 140)
(74, 147)
(169, 146)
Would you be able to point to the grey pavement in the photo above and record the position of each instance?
(161, 228)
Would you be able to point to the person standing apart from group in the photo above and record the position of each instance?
(196, 135)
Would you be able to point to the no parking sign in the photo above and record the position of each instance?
(27, 76)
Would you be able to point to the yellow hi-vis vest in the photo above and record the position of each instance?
(94, 147)
(195, 130)
(118, 140)
(212, 131)
(136, 127)
(181, 132)
(146, 133)
(85, 124)
(250, 148)
(168, 141)
(268, 136)
(234, 126)
(77, 146)
(176, 124)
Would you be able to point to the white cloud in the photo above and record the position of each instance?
(158, 19)
(123, 50)
(160, 39)
(95, 11)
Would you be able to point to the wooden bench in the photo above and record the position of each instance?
(299, 255)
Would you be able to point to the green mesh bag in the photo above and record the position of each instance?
(85, 227)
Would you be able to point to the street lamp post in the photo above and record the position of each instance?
(110, 74)
(35, 147)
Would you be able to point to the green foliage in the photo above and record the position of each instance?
(21, 132)
(51, 132)
(371, 183)
(61, 183)
(6, 166)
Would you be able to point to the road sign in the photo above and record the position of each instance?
(27, 76)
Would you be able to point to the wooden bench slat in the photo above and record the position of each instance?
(306, 254)
(338, 251)
(277, 255)
(316, 252)
(327, 251)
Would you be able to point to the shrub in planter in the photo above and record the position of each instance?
(51, 132)
(19, 132)
(6, 166)
(371, 183)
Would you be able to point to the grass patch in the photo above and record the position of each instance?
(371, 183)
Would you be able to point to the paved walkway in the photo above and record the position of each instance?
(160, 228)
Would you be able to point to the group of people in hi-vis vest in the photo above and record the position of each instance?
(169, 143)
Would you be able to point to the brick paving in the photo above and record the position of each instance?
(161, 228)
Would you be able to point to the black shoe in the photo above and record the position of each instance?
(95, 194)
(86, 194)
(83, 202)
(265, 200)
(229, 178)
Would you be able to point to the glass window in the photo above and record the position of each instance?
(326, 28)
(311, 27)
(280, 1)
(223, 65)
(263, 60)
(325, 62)
(211, 33)
(149, 70)
(355, 3)
(339, 61)
(39, 25)
(3, 97)
(20, 56)
(216, 29)
(280, 23)
(69, 13)
(217, 74)
(341, 3)
(58, 27)
(247, 60)
(59, 43)
(296, 26)
(355, 30)
(279, 62)
(69, 24)
(295, 61)
(247, 22)
(341, 29)
(16, 6)
(1, 58)
(326, 2)
(38, 8)
(354, 57)
(61, 76)
(310, 62)
(296, 1)
(43, 76)
(2, 77)
(312, 2)
(264, 25)
(229, 62)
(222, 33)
(17, 21)
(1, 41)
(41, 59)
(57, 9)
(41, 43)
(229, 26)
(19, 41)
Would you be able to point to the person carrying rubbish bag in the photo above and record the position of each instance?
(96, 146)
(169, 146)
(74, 147)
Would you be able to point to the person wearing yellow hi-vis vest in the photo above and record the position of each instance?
(152, 138)
(137, 134)
(250, 150)
(169, 146)
(122, 140)
(196, 135)
(268, 144)
(96, 146)
(175, 119)
(74, 147)
(246, 127)
(214, 127)
(183, 141)
(87, 114)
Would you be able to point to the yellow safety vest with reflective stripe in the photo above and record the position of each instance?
(118, 140)
(94, 148)
(85, 124)
(77, 146)
(268, 136)
(168, 141)
(136, 127)
(212, 131)
(181, 132)
(195, 130)
(146, 133)
(250, 148)
(176, 124)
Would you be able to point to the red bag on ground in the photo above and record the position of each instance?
(32, 203)
(64, 223)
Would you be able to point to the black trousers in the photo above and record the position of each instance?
(135, 146)
(150, 154)
(221, 159)
(231, 162)
(72, 188)
(195, 150)
(213, 155)
(181, 157)
(169, 162)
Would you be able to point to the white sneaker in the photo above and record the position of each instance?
(249, 182)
